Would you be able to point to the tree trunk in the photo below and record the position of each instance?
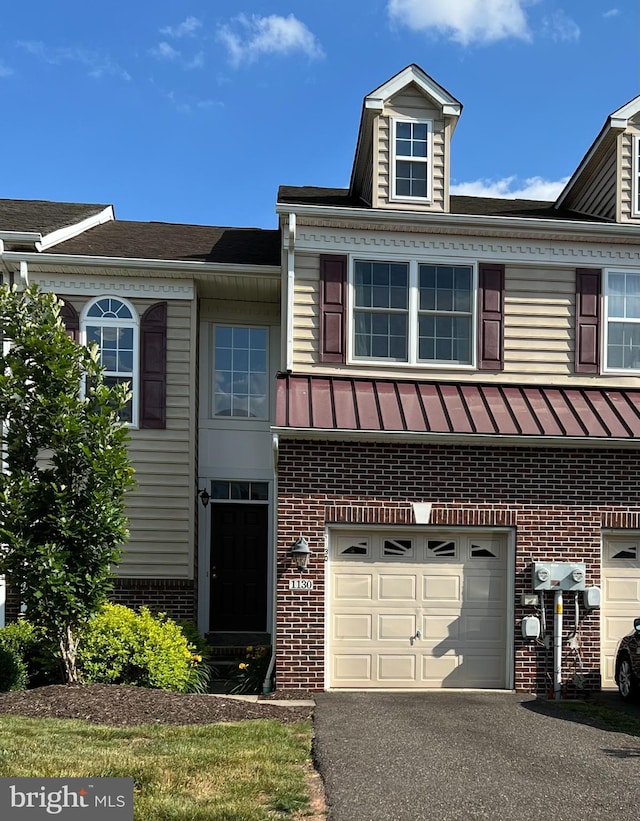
(69, 652)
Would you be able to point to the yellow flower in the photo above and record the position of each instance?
(243, 666)
(250, 649)
(197, 659)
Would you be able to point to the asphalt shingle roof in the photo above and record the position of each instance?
(189, 243)
(43, 216)
(464, 205)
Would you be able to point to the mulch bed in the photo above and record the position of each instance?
(119, 706)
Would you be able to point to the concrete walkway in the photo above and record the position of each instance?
(455, 756)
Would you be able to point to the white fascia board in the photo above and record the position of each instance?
(471, 439)
(625, 112)
(70, 231)
(190, 267)
(387, 217)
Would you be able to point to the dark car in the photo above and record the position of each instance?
(628, 664)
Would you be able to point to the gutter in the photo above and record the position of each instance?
(392, 218)
(137, 262)
(495, 440)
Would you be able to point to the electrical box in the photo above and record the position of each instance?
(592, 597)
(531, 627)
(559, 576)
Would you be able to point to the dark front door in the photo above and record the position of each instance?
(239, 540)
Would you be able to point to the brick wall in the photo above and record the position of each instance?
(557, 502)
(176, 597)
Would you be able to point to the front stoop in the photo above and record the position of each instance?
(227, 650)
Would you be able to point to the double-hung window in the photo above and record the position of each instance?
(240, 372)
(622, 309)
(413, 312)
(411, 161)
(112, 324)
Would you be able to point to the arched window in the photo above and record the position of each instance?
(112, 324)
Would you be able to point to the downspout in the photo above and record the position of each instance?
(266, 684)
(291, 278)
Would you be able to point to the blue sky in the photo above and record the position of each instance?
(196, 111)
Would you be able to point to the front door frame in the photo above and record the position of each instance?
(204, 546)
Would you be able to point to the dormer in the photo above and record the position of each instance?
(607, 181)
(403, 153)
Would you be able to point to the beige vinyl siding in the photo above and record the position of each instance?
(597, 196)
(410, 103)
(161, 506)
(539, 332)
(627, 173)
(306, 329)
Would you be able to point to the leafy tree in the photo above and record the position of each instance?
(65, 473)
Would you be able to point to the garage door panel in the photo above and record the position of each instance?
(622, 590)
(478, 670)
(352, 586)
(396, 626)
(398, 669)
(487, 630)
(441, 588)
(352, 626)
(436, 671)
(489, 588)
(440, 627)
(352, 670)
(393, 586)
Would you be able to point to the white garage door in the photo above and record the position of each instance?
(418, 611)
(620, 598)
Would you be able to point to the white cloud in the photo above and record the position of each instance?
(611, 13)
(5, 71)
(560, 27)
(187, 28)
(164, 51)
(510, 188)
(247, 38)
(464, 21)
(98, 65)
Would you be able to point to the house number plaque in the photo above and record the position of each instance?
(300, 584)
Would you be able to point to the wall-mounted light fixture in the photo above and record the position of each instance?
(300, 553)
(204, 496)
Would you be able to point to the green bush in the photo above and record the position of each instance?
(18, 644)
(120, 646)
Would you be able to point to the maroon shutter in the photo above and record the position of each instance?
(71, 320)
(587, 320)
(490, 317)
(153, 366)
(333, 289)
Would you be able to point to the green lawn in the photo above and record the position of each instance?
(250, 771)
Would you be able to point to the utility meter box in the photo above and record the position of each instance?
(559, 575)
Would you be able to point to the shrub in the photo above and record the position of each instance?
(120, 646)
(18, 646)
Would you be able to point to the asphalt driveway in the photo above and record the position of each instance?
(454, 756)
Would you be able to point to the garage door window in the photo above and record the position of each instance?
(628, 552)
(397, 547)
(353, 548)
(481, 551)
(441, 550)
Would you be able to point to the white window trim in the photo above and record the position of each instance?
(212, 390)
(134, 322)
(606, 320)
(635, 182)
(412, 342)
(428, 160)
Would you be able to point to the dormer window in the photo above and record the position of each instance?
(411, 159)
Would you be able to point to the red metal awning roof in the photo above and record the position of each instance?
(339, 403)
